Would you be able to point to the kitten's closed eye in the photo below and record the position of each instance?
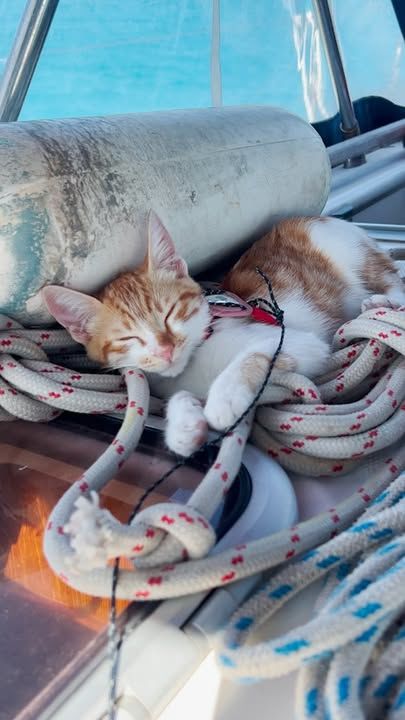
(183, 314)
(126, 338)
(170, 312)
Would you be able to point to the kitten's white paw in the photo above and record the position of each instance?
(226, 402)
(376, 301)
(186, 428)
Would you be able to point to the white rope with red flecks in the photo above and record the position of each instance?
(327, 433)
(353, 415)
(361, 411)
(32, 388)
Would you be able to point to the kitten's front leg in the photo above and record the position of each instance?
(186, 428)
(236, 387)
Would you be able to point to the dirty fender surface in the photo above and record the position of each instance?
(74, 194)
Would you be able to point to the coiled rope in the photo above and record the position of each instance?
(351, 656)
(353, 415)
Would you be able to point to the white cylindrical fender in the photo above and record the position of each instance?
(74, 194)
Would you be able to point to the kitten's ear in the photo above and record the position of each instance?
(74, 310)
(161, 250)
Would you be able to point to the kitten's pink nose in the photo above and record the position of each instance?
(165, 352)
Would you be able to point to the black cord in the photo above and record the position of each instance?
(116, 638)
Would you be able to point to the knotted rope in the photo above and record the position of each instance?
(365, 389)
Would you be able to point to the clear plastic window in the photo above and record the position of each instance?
(373, 48)
(138, 55)
(122, 56)
(10, 14)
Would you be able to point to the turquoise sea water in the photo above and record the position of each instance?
(114, 56)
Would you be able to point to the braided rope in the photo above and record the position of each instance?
(351, 419)
(31, 388)
(346, 669)
(365, 389)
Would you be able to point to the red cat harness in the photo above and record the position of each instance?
(226, 304)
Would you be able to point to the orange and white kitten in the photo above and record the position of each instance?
(323, 272)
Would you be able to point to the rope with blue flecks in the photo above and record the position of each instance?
(351, 655)
(79, 545)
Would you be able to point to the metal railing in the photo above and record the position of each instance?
(366, 143)
(354, 191)
(216, 73)
(24, 55)
(349, 125)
